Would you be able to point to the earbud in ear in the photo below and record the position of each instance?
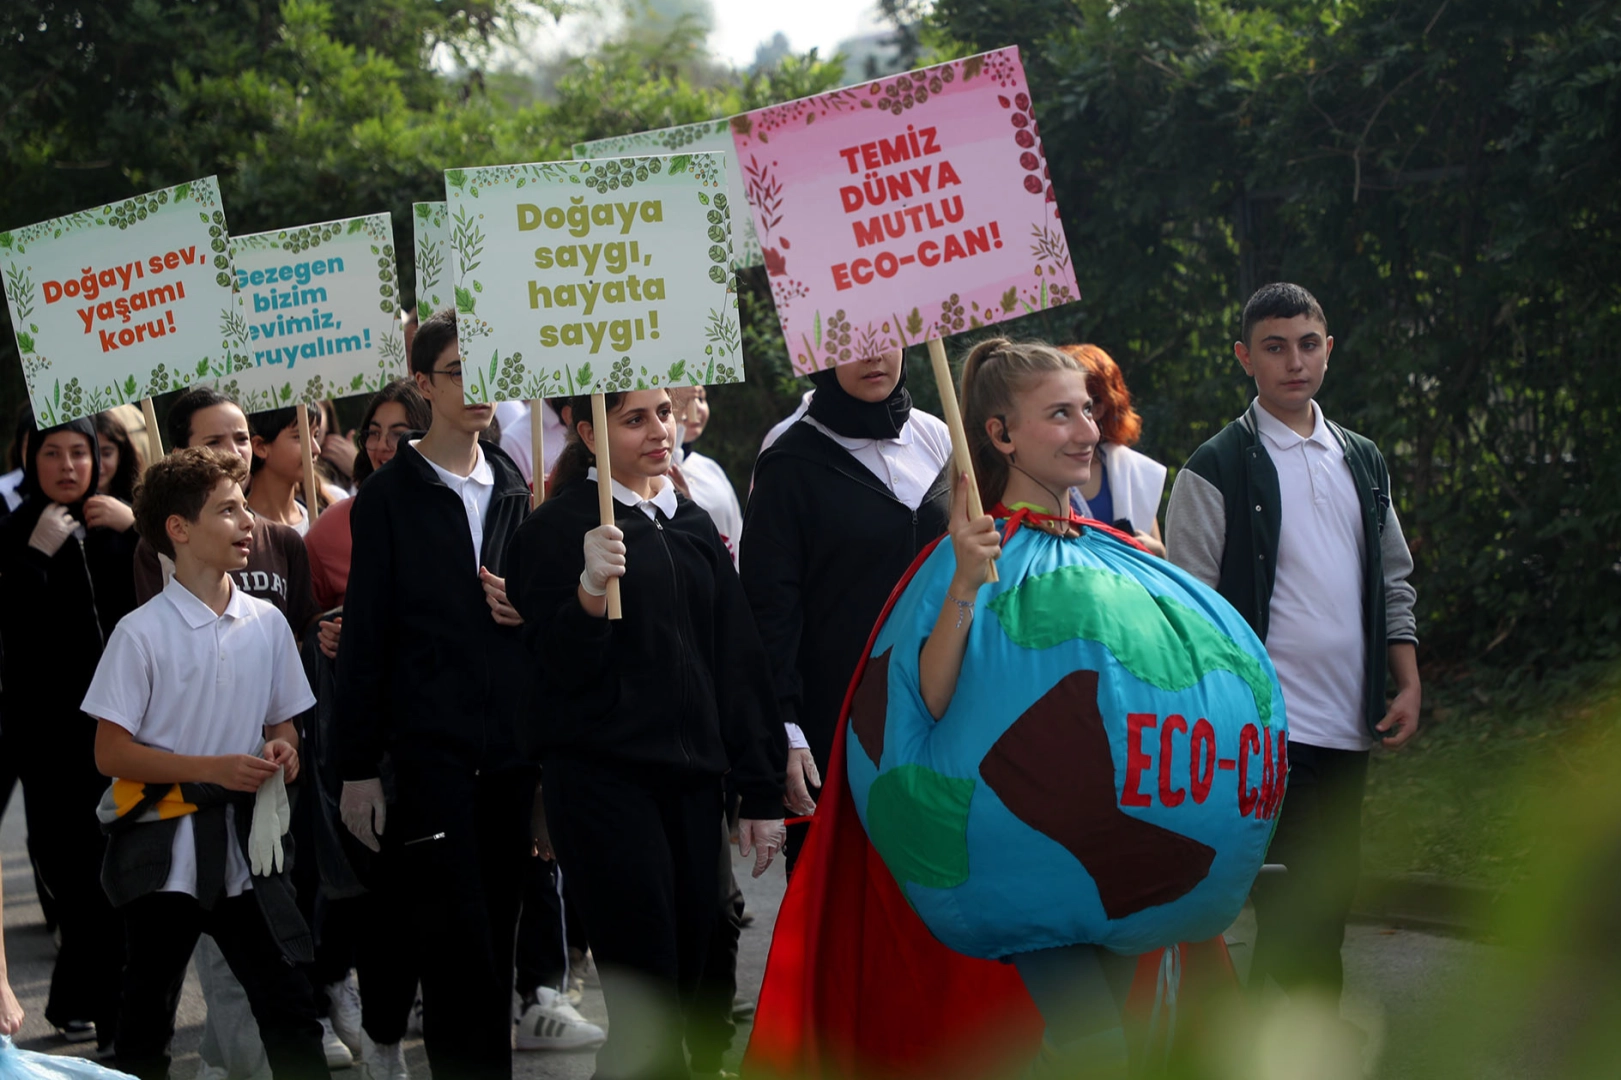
(1001, 436)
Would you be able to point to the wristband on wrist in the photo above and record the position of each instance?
(965, 610)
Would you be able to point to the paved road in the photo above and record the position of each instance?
(1394, 978)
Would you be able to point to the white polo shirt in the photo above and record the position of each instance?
(180, 678)
(712, 490)
(1314, 632)
(514, 417)
(475, 490)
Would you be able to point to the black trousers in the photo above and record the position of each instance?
(710, 1026)
(548, 928)
(162, 930)
(66, 841)
(385, 959)
(464, 845)
(641, 850)
(333, 922)
(1300, 916)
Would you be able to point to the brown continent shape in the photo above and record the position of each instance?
(869, 708)
(1052, 768)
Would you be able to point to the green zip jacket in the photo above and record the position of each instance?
(1222, 527)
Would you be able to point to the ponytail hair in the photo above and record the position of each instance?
(992, 377)
(577, 458)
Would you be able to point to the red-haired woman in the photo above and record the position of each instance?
(1126, 492)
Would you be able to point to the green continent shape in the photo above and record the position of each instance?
(1159, 639)
(918, 821)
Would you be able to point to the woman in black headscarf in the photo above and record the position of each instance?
(66, 578)
(842, 503)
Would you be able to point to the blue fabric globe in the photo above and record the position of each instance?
(1111, 766)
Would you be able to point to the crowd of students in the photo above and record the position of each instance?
(416, 689)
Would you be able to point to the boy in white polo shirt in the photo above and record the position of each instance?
(195, 697)
(1289, 517)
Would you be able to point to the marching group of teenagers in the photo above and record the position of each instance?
(409, 680)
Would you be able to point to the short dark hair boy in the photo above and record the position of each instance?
(185, 754)
(1289, 516)
(427, 611)
(278, 569)
(181, 484)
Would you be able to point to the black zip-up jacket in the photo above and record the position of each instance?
(824, 544)
(56, 612)
(681, 682)
(420, 662)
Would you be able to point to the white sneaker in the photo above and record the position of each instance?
(551, 1023)
(344, 1011)
(384, 1061)
(337, 1054)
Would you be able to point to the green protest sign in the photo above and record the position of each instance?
(432, 235)
(593, 277)
(689, 138)
(321, 306)
(124, 301)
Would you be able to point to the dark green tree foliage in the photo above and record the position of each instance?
(315, 109)
(1441, 174)
(1444, 177)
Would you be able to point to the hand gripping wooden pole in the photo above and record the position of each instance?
(964, 461)
(605, 487)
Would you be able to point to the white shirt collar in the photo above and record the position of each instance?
(198, 614)
(482, 474)
(664, 499)
(1285, 437)
(903, 439)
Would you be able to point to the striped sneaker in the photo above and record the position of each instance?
(549, 1022)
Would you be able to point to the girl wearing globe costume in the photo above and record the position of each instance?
(1063, 769)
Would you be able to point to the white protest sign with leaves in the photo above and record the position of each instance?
(430, 230)
(593, 277)
(320, 305)
(122, 302)
(711, 135)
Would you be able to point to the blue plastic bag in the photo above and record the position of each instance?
(18, 1064)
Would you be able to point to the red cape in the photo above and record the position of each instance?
(856, 986)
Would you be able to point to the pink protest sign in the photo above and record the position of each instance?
(904, 209)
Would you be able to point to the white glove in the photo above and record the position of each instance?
(604, 558)
(53, 529)
(272, 816)
(766, 837)
(363, 810)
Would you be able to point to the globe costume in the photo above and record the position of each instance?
(1108, 772)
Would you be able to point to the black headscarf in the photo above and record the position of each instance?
(841, 413)
(34, 498)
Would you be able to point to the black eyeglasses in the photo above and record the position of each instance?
(454, 375)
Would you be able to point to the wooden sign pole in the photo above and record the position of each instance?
(154, 440)
(959, 435)
(312, 491)
(537, 453)
(605, 490)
